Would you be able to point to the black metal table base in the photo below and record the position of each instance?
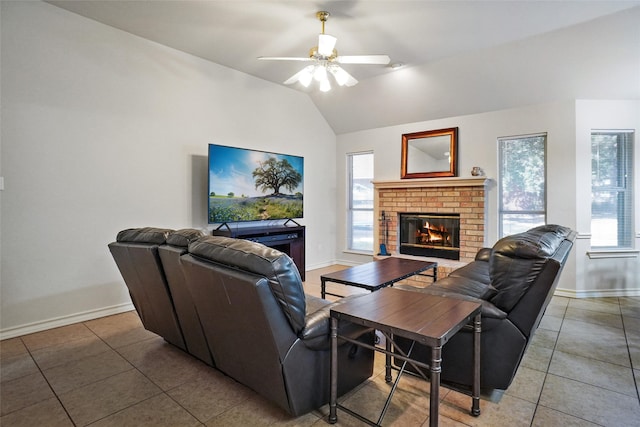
(434, 368)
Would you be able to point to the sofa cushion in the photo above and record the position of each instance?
(149, 235)
(488, 310)
(477, 270)
(182, 238)
(277, 267)
(517, 260)
(460, 285)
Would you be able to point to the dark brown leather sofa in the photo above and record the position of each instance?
(514, 280)
(246, 303)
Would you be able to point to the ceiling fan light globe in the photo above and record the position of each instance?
(320, 73)
(340, 75)
(305, 78)
(301, 76)
(325, 86)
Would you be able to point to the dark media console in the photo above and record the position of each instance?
(289, 240)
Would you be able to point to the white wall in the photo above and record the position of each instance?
(102, 131)
(567, 158)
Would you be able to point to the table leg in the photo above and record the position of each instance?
(323, 288)
(387, 365)
(475, 405)
(333, 392)
(434, 401)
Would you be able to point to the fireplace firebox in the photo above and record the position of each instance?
(430, 234)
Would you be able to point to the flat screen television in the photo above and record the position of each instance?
(253, 185)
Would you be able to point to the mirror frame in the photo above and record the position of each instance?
(452, 133)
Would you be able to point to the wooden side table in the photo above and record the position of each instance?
(426, 319)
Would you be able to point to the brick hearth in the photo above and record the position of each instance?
(465, 196)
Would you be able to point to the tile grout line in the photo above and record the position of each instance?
(571, 379)
(162, 391)
(546, 372)
(141, 373)
(35, 362)
(626, 339)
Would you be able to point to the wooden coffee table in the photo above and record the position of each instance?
(378, 274)
(426, 319)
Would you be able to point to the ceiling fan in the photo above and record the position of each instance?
(325, 60)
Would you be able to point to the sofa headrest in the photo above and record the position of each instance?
(277, 267)
(517, 261)
(182, 238)
(538, 242)
(150, 235)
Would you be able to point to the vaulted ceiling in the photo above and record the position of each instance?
(460, 57)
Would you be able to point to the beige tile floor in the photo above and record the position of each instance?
(582, 369)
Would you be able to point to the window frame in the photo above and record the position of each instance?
(350, 204)
(625, 217)
(501, 209)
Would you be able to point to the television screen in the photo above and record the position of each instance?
(252, 185)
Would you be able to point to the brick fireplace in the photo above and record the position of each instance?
(460, 196)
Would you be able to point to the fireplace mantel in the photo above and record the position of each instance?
(471, 181)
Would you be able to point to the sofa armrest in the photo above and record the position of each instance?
(490, 311)
(484, 254)
(316, 332)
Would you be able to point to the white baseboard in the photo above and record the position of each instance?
(350, 263)
(57, 322)
(310, 267)
(597, 293)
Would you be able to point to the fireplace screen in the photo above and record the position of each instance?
(434, 235)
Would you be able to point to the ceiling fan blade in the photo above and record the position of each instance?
(284, 58)
(326, 43)
(363, 59)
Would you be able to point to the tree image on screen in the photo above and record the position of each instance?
(274, 174)
(249, 185)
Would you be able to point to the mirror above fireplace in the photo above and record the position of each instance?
(430, 154)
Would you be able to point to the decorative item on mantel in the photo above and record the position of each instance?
(430, 154)
(477, 171)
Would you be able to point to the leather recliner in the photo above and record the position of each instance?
(175, 246)
(263, 330)
(514, 281)
(135, 252)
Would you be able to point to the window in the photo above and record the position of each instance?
(611, 189)
(522, 184)
(360, 221)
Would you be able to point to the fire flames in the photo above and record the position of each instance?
(434, 235)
